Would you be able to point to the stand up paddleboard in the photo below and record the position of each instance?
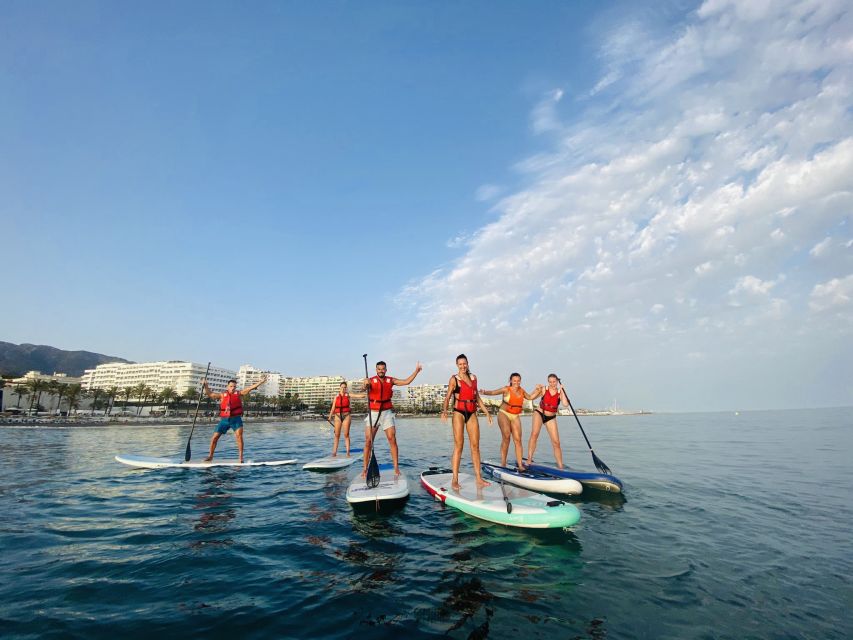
(332, 463)
(149, 462)
(532, 480)
(510, 506)
(598, 481)
(391, 489)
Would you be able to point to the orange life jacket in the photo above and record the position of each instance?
(231, 405)
(513, 401)
(466, 395)
(380, 392)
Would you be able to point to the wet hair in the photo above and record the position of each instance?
(382, 362)
(512, 375)
(232, 380)
(553, 375)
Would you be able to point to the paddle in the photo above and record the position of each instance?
(188, 454)
(373, 466)
(595, 459)
(503, 491)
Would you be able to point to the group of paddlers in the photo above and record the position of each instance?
(462, 391)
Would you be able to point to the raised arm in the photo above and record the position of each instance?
(251, 388)
(495, 392)
(358, 395)
(403, 383)
(538, 391)
(208, 392)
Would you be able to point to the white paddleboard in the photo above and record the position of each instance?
(532, 480)
(330, 463)
(512, 506)
(150, 462)
(390, 487)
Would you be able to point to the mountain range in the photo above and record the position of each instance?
(17, 359)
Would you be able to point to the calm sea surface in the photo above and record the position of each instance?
(732, 526)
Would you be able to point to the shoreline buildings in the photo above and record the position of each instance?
(176, 374)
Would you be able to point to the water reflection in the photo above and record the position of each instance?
(215, 505)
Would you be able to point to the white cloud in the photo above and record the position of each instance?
(701, 174)
(820, 248)
(487, 192)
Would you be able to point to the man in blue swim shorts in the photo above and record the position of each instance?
(230, 413)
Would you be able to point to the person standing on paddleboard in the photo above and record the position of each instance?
(546, 414)
(463, 385)
(379, 390)
(342, 411)
(509, 416)
(230, 413)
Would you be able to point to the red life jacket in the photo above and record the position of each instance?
(342, 404)
(466, 395)
(550, 403)
(230, 405)
(380, 392)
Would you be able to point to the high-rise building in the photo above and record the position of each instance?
(248, 375)
(176, 374)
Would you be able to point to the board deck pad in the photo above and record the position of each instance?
(389, 487)
(589, 479)
(330, 463)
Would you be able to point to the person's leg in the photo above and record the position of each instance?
(213, 442)
(238, 435)
(391, 434)
(347, 421)
(506, 431)
(337, 426)
(551, 426)
(516, 438)
(458, 445)
(473, 427)
(534, 436)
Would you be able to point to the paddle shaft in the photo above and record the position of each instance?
(599, 464)
(188, 453)
(372, 463)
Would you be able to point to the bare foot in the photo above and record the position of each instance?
(521, 467)
(482, 483)
(334, 455)
(364, 474)
(208, 458)
(455, 485)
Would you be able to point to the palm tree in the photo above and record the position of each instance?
(140, 393)
(59, 389)
(73, 393)
(192, 395)
(36, 388)
(20, 390)
(167, 395)
(126, 392)
(95, 394)
(112, 392)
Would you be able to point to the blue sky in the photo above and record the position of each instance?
(655, 202)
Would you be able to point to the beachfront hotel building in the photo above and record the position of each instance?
(177, 374)
(62, 378)
(424, 397)
(316, 389)
(248, 375)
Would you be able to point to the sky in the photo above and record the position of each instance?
(652, 201)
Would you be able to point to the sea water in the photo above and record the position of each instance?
(731, 526)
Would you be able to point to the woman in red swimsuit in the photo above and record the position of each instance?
(342, 412)
(463, 385)
(546, 414)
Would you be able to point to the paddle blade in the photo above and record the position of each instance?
(373, 472)
(188, 454)
(599, 464)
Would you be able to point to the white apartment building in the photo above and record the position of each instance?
(315, 389)
(64, 378)
(422, 396)
(177, 374)
(248, 375)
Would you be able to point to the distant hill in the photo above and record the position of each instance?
(17, 359)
